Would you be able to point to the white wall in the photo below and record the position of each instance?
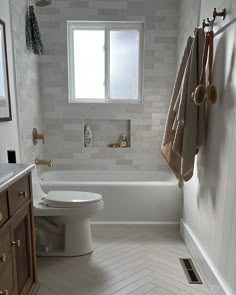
(210, 197)
(186, 24)
(9, 130)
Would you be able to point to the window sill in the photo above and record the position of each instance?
(114, 101)
(105, 148)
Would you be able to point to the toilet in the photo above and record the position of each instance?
(65, 229)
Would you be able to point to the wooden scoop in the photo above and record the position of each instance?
(211, 91)
(200, 91)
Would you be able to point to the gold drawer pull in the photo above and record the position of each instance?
(1, 216)
(3, 258)
(4, 292)
(23, 194)
(17, 244)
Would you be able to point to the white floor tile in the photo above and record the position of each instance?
(134, 262)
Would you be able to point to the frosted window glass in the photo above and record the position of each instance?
(89, 64)
(124, 64)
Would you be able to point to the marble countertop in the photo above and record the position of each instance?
(10, 173)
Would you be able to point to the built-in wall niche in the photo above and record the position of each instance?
(107, 132)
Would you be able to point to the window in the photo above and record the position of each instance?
(105, 61)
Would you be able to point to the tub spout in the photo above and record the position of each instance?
(43, 162)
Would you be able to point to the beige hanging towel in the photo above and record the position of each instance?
(173, 158)
(185, 121)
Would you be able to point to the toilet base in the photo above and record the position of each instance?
(76, 239)
(65, 231)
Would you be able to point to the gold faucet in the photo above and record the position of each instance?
(43, 162)
(36, 136)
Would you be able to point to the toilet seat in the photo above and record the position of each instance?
(70, 199)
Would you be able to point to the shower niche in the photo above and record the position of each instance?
(108, 132)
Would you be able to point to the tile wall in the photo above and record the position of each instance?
(63, 122)
(27, 85)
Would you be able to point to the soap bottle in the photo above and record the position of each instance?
(123, 141)
(88, 137)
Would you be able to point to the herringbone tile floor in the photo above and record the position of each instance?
(134, 262)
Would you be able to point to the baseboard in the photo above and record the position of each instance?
(210, 274)
(135, 225)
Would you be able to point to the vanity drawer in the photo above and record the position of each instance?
(4, 214)
(18, 194)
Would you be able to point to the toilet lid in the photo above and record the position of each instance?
(67, 199)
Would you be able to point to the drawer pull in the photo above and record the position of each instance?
(1, 216)
(3, 258)
(17, 244)
(23, 194)
(4, 292)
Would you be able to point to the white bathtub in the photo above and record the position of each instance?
(129, 196)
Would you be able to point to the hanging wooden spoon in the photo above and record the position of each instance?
(200, 91)
(211, 91)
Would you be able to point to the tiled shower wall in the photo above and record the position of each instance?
(63, 122)
(27, 85)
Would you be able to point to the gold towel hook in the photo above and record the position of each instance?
(209, 22)
(222, 13)
(205, 24)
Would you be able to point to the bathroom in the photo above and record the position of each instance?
(143, 222)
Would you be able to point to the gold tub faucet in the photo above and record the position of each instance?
(43, 162)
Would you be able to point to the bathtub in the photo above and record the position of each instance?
(129, 196)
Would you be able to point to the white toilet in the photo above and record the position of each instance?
(65, 230)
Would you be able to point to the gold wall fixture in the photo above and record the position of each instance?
(43, 162)
(37, 136)
(216, 14)
(43, 2)
(222, 13)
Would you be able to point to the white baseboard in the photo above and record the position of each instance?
(213, 279)
(135, 225)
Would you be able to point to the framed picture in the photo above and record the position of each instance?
(5, 102)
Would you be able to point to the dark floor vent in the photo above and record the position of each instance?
(190, 271)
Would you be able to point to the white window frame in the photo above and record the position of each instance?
(106, 26)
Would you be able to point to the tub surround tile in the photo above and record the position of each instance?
(63, 122)
(27, 85)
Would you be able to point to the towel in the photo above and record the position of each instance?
(185, 124)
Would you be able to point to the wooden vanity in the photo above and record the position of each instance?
(17, 234)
